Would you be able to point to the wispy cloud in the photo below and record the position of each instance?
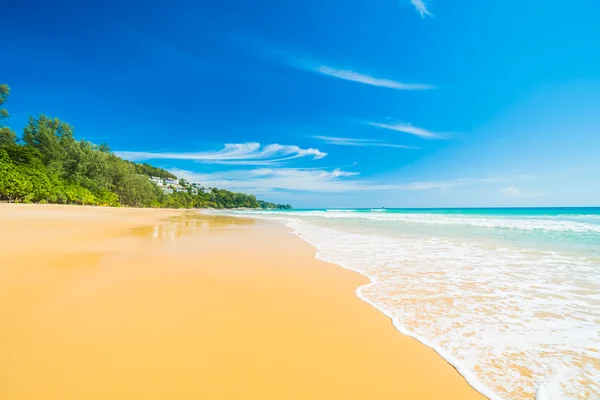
(307, 63)
(512, 191)
(421, 8)
(263, 180)
(354, 76)
(233, 154)
(407, 128)
(340, 141)
(278, 179)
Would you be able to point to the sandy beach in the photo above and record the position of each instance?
(99, 303)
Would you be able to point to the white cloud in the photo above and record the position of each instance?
(233, 154)
(407, 128)
(302, 62)
(421, 8)
(354, 76)
(336, 173)
(512, 191)
(289, 179)
(263, 180)
(340, 141)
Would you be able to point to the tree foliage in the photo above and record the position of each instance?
(50, 166)
(149, 170)
(4, 92)
(7, 136)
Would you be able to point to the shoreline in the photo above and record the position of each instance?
(154, 303)
(450, 359)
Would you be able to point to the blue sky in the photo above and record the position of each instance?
(336, 103)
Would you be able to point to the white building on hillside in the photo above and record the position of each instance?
(157, 180)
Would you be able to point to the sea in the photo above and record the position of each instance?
(509, 296)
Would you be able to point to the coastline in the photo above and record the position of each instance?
(122, 303)
(469, 377)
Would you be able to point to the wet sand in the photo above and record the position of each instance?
(100, 303)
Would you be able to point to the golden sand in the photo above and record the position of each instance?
(145, 304)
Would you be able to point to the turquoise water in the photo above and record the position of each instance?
(542, 211)
(509, 296)
(568, 229)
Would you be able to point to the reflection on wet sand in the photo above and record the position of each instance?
(190, 223)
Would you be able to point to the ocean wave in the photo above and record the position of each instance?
(528, 224)
(515, 323)
(571, 223)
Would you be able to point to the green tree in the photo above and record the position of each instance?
(78, 195)
(149, 170)
(7, 136)
(106, 198)
(137, 191)
(4, 92)
(40, 188)
(93, 169)
(54, 140)
(14, 186)
(23, 155)
(50, 165)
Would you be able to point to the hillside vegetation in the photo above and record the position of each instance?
(48, 165)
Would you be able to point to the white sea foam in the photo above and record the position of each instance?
(576, 224)
(507, 319)
(515, 322)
